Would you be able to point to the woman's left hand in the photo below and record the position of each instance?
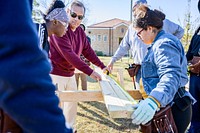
(106, 70)
(144, 112)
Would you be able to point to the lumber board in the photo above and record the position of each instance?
(120, 77)
(80, 96)
(89, 95)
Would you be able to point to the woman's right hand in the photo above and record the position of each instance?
(96, 76)
(110, 65)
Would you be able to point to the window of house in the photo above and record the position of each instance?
(93, 38)
(122, 30)
(105, 38)
(99, 37)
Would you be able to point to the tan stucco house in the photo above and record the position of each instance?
(106, 36)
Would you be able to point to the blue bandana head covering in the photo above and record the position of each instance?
(58, 14)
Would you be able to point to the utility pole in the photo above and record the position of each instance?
(131, 17)
(188, 24)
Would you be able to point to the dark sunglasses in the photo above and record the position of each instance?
(138, 34)
(74, 15)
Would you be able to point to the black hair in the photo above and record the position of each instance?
(78, 3)
(56, 4)
(145, 17)
(199, 5)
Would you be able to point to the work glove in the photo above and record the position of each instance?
(145, 111)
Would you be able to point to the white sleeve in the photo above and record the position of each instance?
(173, 28)
(124, 46)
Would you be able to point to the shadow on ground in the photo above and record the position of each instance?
(93, 118)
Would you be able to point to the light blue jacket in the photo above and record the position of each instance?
(164, 68)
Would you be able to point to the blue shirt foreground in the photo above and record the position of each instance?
(26, 91)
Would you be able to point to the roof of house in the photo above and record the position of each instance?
(110, 23)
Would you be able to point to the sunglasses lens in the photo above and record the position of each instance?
(74, 15)
(80, 17)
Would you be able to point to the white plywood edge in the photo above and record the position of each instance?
(122, 94)
(118, 102)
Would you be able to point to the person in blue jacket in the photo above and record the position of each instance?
(27, 94)
(164, 71)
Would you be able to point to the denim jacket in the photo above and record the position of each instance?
(164, 68)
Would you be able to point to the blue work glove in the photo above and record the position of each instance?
(145, 111)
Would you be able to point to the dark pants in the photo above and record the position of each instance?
(195, 91)
(182, 118)
(83, 78)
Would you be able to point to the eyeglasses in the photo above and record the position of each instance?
(74, 15)
(138, 34)
(63, 23)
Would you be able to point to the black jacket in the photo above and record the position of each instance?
(43, 37)
(194, 48)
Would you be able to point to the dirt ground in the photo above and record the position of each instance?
(93, 117)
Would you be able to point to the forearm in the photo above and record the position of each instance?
(78, 63)
(121, 51)
(170, 73)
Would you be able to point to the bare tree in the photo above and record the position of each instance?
(40, 8)
(67, 2)
(187, 24)
(36, 14)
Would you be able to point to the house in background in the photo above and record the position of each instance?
(106, 36)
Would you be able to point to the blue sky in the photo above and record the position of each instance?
(101, 10)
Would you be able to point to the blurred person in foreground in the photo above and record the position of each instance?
(27, 94)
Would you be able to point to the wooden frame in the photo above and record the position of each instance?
(118, 101)
(85, 96)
